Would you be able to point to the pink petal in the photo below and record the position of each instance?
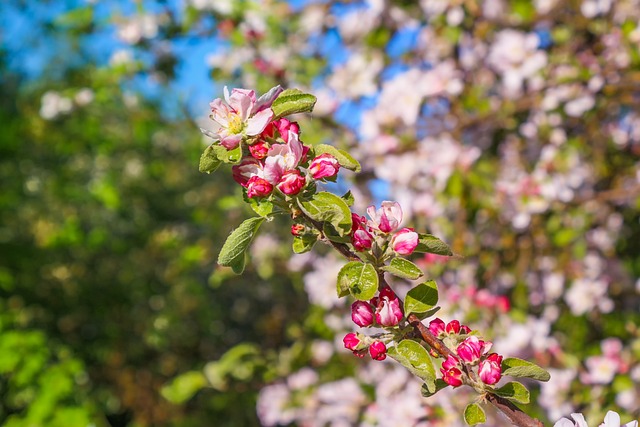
(257, 123)
(267, 99)
(230, 142)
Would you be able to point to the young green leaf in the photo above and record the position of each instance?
(431, 244)
(233, 156)
(421, 299)
(439, 386)
(344, 159)
(328, 207)
(232, 252)
(348, 198)
(332, 234)
(304, 244)
(360, 279)
(514, 391)
(209, 161)
(262, 207)
(515, 367)
(403, 268)
(415, 357)
(473, 414)
(292, 101)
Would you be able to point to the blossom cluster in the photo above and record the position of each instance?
(382, 222)
(471, 352)
(273, 157)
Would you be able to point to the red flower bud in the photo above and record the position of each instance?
(298, 229)
(378, 350)
(453, 327)
(436, 327)
(258, 187)
(259, 149)
(451, 374)
(291, 183)
(362, 313)
(352, 342)
(490, 369)
(324, 166)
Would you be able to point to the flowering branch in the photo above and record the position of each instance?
(279, 175)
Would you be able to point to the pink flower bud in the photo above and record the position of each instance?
(245, 170)
(362, 313)
(490, 370)
(451, 374)
(361, 240)
(387, 218)
(360, 237)
(388, 311)
(352, 342)
(404, 241)
(450, 362)
(436, 327)
(453, 327)
(259, 149)
(284, 126)
(471, 349)
(387, 292)
(358, 221)
(258, 187)
(464, 329)
(291, 183)
(324, 166)
(298, 229)
(378, 350)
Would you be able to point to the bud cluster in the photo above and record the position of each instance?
(471, 352)
(273, 157)
(384, 310)
(379, 227)
(359, 344)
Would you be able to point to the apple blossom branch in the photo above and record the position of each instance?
(512, 412)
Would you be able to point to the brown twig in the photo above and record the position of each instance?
(515, 414)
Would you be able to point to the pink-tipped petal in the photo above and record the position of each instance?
(257, 123)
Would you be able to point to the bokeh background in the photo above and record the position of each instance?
(509, 128)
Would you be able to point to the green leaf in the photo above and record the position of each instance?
(302, 244)
(262, 207)
(328, 207)
(421, 299)
(332, 234)
(359, 279)
(515, 367)
(416, 358)
(473, 414)
(403, 268)
(209, 161)
(431, 244)
(348, 198)
(514, 391)
(344, 158)
(440, 384)
(292, 101)
(183, 387)
(232, 252)
(233, 156)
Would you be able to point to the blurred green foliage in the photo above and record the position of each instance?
(108, 238)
